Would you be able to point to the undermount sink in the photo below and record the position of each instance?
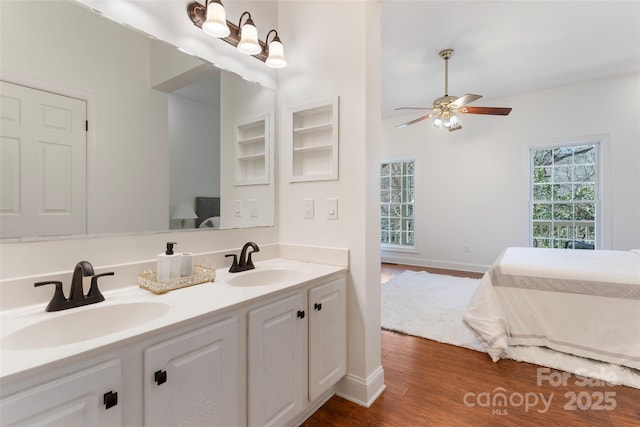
(87, 323)
(265, 277)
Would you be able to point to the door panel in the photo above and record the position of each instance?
(43, 157)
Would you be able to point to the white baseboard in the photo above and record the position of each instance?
(313, 408)
(448, 265)
(363, 391)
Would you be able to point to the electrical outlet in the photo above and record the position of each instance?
(237, 208)
(253, 208)
(308, 208)
(332, 208)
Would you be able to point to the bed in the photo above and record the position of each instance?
(585, 303)
(208, 211)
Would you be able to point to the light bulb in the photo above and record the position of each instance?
(454, 121)
(216, 23)
(437, 122)
(447, 124)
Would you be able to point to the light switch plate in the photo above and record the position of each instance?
(332, 208)
(237, 208)
(308, 208)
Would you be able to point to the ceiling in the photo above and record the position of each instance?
(502, 48)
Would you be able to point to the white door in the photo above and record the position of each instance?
(327, 336)
(277, 355)
(192, 380)
(43, 158)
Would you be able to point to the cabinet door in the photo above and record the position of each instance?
(75, 400)
(277, 361)
(192, 379)
(327, 336)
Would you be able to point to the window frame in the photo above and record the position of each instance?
(601, 226)
(391, 247)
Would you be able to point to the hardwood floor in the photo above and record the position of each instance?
(434, 384)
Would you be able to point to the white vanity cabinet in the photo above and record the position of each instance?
(296, 352)
(89, 397)
(192, 379)
(276, 351)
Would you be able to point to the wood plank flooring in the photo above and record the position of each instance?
(434, 384)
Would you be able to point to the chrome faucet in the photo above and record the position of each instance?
(245, 263)
(77, 298)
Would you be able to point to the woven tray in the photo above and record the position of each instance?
(201, 274)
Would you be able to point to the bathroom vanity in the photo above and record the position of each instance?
(257, 348)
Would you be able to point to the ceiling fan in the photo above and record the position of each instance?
(446, 107)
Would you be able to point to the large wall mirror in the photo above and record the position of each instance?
(167, 133)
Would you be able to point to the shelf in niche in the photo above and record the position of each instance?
(314, 128)
(314, 147)
(251, 151)
(327, 147)
(252, 157)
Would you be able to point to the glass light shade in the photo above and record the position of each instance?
(447, 124)
(276, 55)
(437, 122)
(184, 211)
(454, 121)
(216, 23)
(249, 40)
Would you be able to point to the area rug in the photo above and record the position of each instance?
(431, 306)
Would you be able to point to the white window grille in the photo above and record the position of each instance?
(397, 191)
(564, 196)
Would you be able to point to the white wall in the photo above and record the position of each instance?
(472, 185)
(333, 50)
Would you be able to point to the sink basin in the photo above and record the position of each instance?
(265, 277)
(88, 323)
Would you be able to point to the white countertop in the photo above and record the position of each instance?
(184, 304)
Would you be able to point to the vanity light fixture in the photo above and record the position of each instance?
(216, 23)
(212, 20)
(276, 52)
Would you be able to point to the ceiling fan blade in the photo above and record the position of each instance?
(466, 99)
(496, 111)
(414, 108)
(419, 119)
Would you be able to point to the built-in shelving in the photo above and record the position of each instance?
(251, 151)
(315, 141)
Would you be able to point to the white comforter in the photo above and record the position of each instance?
(581, 302)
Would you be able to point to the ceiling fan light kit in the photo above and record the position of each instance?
(444, 109)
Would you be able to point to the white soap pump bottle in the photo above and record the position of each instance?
(169, 264)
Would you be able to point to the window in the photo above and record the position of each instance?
(396, 203)
(564, 196)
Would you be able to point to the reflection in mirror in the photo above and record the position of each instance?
(162, 130)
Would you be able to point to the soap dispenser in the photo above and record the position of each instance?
(169, 264)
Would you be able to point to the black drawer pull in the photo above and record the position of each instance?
(110, 399)
(160, 377)
(301, 314)
(318, 306)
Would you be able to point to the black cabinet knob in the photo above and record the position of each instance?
(318, 306)
(301, 314)
(160, 377)
(110, 399)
